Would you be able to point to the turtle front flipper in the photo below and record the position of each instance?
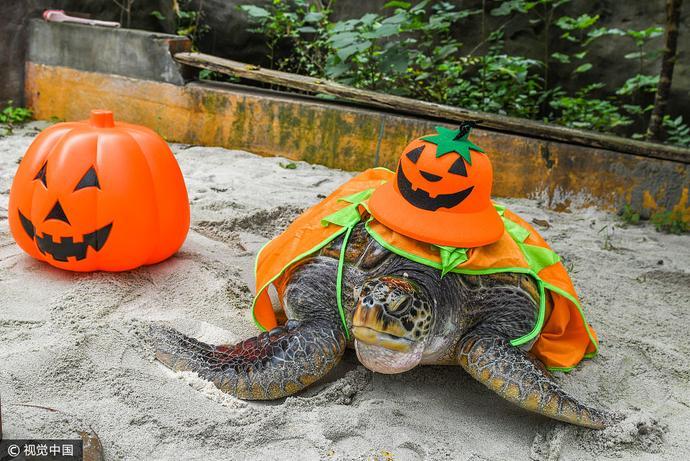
(274, 364)
(521, 379)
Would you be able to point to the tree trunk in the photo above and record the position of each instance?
(668, 60)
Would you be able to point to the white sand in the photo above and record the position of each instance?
(72, 342)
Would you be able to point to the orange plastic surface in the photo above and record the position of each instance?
(99, 195)
(470, 223)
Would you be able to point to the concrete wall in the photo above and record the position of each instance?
(128, 52)
(14, 38)
(17, 15)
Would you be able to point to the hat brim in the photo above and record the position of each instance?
(460, 230)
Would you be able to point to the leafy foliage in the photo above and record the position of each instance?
(629, 215)
(677, 131)
(294, 25)
(188, 21)
(639, 83)
(670, 221)
(12, 115)
(288, 165)
(409, 49)
(587, 112)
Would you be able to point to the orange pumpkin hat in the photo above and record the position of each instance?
(441, 193)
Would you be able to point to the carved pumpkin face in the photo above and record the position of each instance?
(431, 183)
(99, 196)
(441, 193)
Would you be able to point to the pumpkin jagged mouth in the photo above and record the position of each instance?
(66, 247)
(421, 198)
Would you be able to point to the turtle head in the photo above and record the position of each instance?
(391, 324)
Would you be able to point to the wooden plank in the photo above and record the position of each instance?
(523, 127)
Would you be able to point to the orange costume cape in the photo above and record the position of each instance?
(561, 337)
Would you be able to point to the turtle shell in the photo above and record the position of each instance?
(362, 251)
(367, 254)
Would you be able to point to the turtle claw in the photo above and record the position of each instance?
(519, 378)
(272, 365)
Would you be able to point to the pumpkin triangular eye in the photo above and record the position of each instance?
(458, 167)
(41, 175)
(90, 179)
(57, 213)
(414, 154)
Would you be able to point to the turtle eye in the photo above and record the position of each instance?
(41, 175)
(414, 154)
(458, 167)
(90, 179)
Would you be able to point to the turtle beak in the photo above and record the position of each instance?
(378, 338)
(391, 312)
(378, 325)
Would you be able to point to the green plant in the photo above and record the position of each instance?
(587, 112)
(677, 131)
(641, 38)
(296, 25)
(670, 221)
(410, 52)
(639, 85)
(499, 83)
(629, 215)
(410, 49)
(12, 115)
(205, 74)
(362, 54)
(188, 22)
(542, 14)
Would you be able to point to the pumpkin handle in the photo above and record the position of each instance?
(101, 118)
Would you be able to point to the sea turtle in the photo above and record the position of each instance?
(401, 314)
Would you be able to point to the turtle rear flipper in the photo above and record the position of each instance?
(274, 364)
(519, 378)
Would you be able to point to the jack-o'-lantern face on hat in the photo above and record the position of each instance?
(441, 193)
